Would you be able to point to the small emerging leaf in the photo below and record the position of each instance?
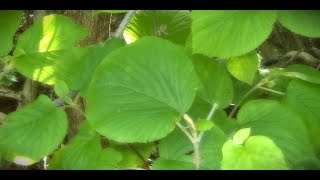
(204, 125)
(244, 67)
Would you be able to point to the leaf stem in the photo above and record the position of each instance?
(155, 23)
(190, 122)
(261, 83)
(184, 130)
(193, 137)
(213, 109)
(124, 23)
(271, 90)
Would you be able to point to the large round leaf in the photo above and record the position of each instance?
(230, 33)
(139, 91)
(215, 83)
(257, 153)
(271, 119)
(304, 98)
(303, 22)
(9, 23)
(174, 25)
(33, 132)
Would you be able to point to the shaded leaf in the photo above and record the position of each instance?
(174, 25)
(9, 23)
(215, 83)
(303, 22)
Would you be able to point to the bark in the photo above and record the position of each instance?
(99, 28)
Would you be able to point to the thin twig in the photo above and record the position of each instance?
(155, 23)
(271, 90)
(261, 83)
(292, 58)
(139, 155)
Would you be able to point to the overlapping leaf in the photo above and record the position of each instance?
(257, 153)
(304, 98)
(85, 153)
(9, 23)
(230, 33)
(33, 132)
(303, 22)
(215, 83)
(271, 119)
(174, 25)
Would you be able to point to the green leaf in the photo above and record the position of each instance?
(299, 71)
(240, 89)
(46, 53)
(215, 83)
(33, 131)
(244, 67)
(228, 126)
(241, 136)
(61, 88)
(210, 148)
(50, 33)
(9, 23)
(204, 125)
(199, 109)
(56, 162)
(75, 66)
(258, 153)
(174, 25)
(230, 33)
(130, 158)
(85, 152)
(169, 164)
(175, 146)
(124, 108)
(304, 98)
(271, 119)
(303, 22)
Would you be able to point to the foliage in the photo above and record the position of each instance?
(167, 90)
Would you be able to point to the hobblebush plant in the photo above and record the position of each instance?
(185, 85)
